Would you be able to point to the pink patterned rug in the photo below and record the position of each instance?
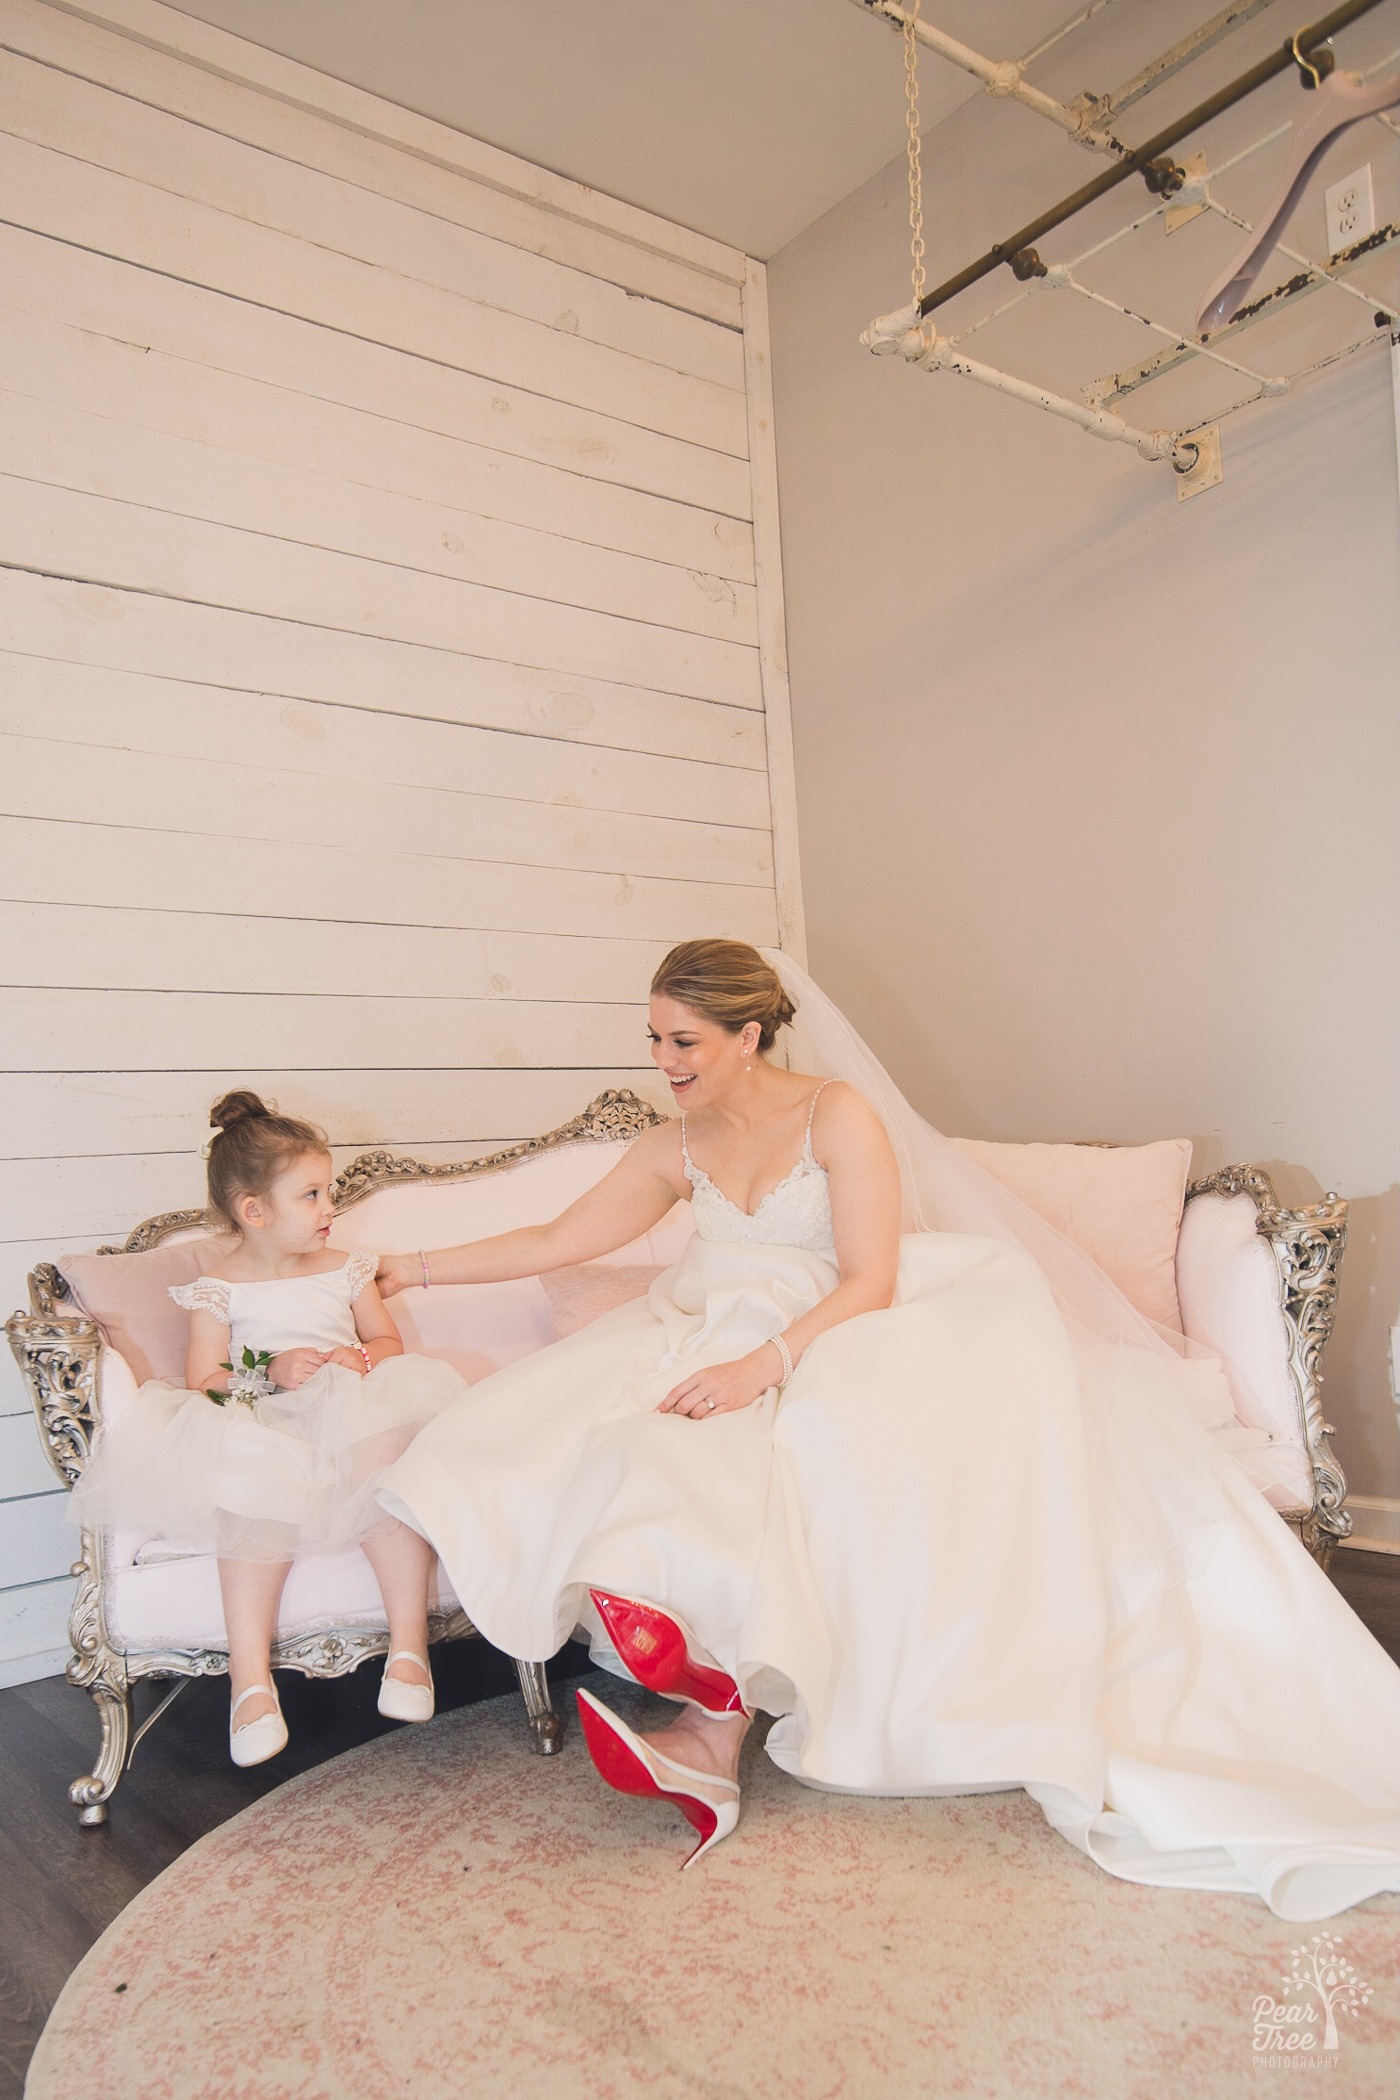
(439, 1914)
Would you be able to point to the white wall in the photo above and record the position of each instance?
(389, 670)
(1098, 790)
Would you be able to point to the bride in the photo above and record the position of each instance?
(886, 1457)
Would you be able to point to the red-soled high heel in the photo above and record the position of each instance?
(656, 1648)
(708, 1803)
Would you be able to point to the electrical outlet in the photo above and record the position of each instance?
(1351, 210)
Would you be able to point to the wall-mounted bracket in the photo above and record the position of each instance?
(1191, 201)
(1206, 471)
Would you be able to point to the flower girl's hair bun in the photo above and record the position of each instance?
(253, 1146)
(236, 1108)
(729, 983)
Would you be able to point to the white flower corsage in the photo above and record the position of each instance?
(248, 1380)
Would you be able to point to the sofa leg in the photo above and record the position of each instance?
(1322, 1529)
(546, 1729)
(94, 1790)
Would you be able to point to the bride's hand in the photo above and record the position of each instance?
(398, 1272)
(722, 1389)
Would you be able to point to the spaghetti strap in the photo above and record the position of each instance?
(807, 1152)
(685, 1149)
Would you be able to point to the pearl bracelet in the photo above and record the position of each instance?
(423, 1265)
(786, 1354)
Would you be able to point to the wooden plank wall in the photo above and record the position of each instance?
(390, 637)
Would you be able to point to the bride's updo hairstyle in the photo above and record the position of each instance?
(254, 1145)
(729, 983)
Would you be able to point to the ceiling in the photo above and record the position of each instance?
(744, 119)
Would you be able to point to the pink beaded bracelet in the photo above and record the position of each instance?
(423, 1264)
(369, 1361)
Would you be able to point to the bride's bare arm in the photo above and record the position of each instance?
(636, 1195)
(865, 1211)
(851, 1143)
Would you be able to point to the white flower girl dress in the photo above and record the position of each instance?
(287, 1474)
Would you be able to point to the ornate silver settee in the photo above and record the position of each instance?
(1256, 1283)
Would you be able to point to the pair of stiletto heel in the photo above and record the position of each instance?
(657, 1649)
(256, 1741)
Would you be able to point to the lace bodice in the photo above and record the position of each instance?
(797, 1213)
(287, 1312)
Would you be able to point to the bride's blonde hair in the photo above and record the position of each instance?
(729, 983)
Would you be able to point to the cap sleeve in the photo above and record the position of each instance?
(359, 1270)
(206, 1294)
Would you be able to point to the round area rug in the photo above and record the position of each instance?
(443, 1915)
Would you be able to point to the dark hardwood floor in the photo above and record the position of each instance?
(63, 1885)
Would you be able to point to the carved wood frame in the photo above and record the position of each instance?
(1307, 1245)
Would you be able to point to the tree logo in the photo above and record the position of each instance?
(1329, 1990)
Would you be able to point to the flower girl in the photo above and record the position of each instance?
(299, 1394)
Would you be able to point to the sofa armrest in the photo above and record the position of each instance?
(1260, 1288)
(57, 1353)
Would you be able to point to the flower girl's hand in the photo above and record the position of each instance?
(722, 1389)
(348, 1359)
(294, 1366)
(397, 1272)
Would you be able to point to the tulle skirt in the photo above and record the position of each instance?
(292, 1475)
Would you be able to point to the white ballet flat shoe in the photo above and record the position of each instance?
(405, 1702)
(256, 1741)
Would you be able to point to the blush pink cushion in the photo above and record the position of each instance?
(129, 1297)
(585, 1292)
(1122, 1204)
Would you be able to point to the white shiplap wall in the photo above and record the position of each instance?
(390, 637)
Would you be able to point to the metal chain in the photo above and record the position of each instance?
(916, 180)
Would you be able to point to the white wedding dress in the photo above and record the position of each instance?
(973, 1545)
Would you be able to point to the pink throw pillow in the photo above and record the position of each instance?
(581, 1294)
(128, 1296)
(1121, 1203)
